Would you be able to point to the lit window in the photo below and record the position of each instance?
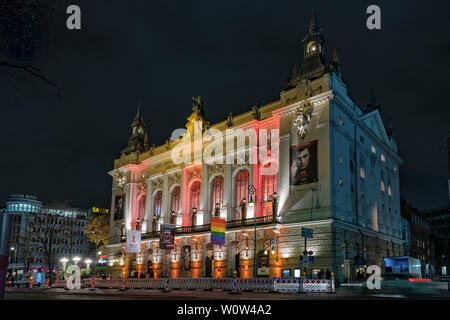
(382, 158)
(340, 160)
(176, 199)
(382, 186)
(373, 149)
(395, 169)
(341, 182)
(269, 187)
(217, 192)
(389, 191)
(341, 121)
(158, 200)
(242, 179)
(194, 199)
(362, 173)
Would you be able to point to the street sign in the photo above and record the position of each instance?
(307, 233)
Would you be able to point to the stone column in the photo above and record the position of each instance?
(203, 211)
(228, 192)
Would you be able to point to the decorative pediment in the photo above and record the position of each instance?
(216, 169)
(374, 122)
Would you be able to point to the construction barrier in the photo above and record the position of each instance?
(317, 285)
(223, 284)
(286, 285)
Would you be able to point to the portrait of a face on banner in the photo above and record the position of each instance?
(167, 236)
(303, 164)
(133, 241)
(119, 207)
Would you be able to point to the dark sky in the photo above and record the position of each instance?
(232, 53)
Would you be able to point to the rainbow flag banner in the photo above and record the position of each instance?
(218, 226)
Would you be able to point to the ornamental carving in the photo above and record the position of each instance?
(121, 180)
(175, 179)
(216, 169)
(195, 174)
(303, 117)
(157, 184)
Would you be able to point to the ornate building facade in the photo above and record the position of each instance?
(329, 166)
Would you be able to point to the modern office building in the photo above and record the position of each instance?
(28, 219)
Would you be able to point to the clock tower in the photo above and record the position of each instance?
(139, 138)
(314, 61)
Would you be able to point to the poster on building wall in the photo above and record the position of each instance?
(303, 164)
(119, 207)
(167, 236)
(133, 241)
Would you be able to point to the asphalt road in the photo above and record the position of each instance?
(421, 292)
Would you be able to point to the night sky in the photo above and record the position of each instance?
(232, 53)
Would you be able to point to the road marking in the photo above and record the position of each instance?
(389, 296)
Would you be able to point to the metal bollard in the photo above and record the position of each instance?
(31, 282)
(123, 284)
(92, 284)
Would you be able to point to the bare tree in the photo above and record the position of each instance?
(43, 231)
(24, 25)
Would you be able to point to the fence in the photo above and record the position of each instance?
(225, 284)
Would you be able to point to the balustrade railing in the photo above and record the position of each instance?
(231, 224)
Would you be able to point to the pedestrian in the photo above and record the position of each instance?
(152, 274)
(328, 274)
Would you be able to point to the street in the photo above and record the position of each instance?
(390, 290)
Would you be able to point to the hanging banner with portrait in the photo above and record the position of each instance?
(119, 207)
(303, 164)
(167, 236)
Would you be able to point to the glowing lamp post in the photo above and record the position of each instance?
(251, 192)
(88, 263)
(76, 259)
(64, 262)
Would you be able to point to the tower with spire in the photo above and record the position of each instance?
(314, 62)
(139, 137)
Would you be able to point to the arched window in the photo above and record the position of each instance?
(216, 192)
(157, 208)
(269, 187)
(141, 209)
(175, 199)
(194, 196)
(242, 180)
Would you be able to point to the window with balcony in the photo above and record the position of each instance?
(194, 195)
(216, 192)
(241, 186)
(157, 206)
(175, 201)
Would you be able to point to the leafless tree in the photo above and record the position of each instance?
(43, 231)
(23, 26)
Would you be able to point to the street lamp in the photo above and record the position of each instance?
(88, 262)
(251, 192)
(76, 259)
(15, 258)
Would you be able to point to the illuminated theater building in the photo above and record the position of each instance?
(338, 174)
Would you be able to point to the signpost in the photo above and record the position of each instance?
(307, 255)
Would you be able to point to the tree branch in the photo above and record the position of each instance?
(33, 71)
